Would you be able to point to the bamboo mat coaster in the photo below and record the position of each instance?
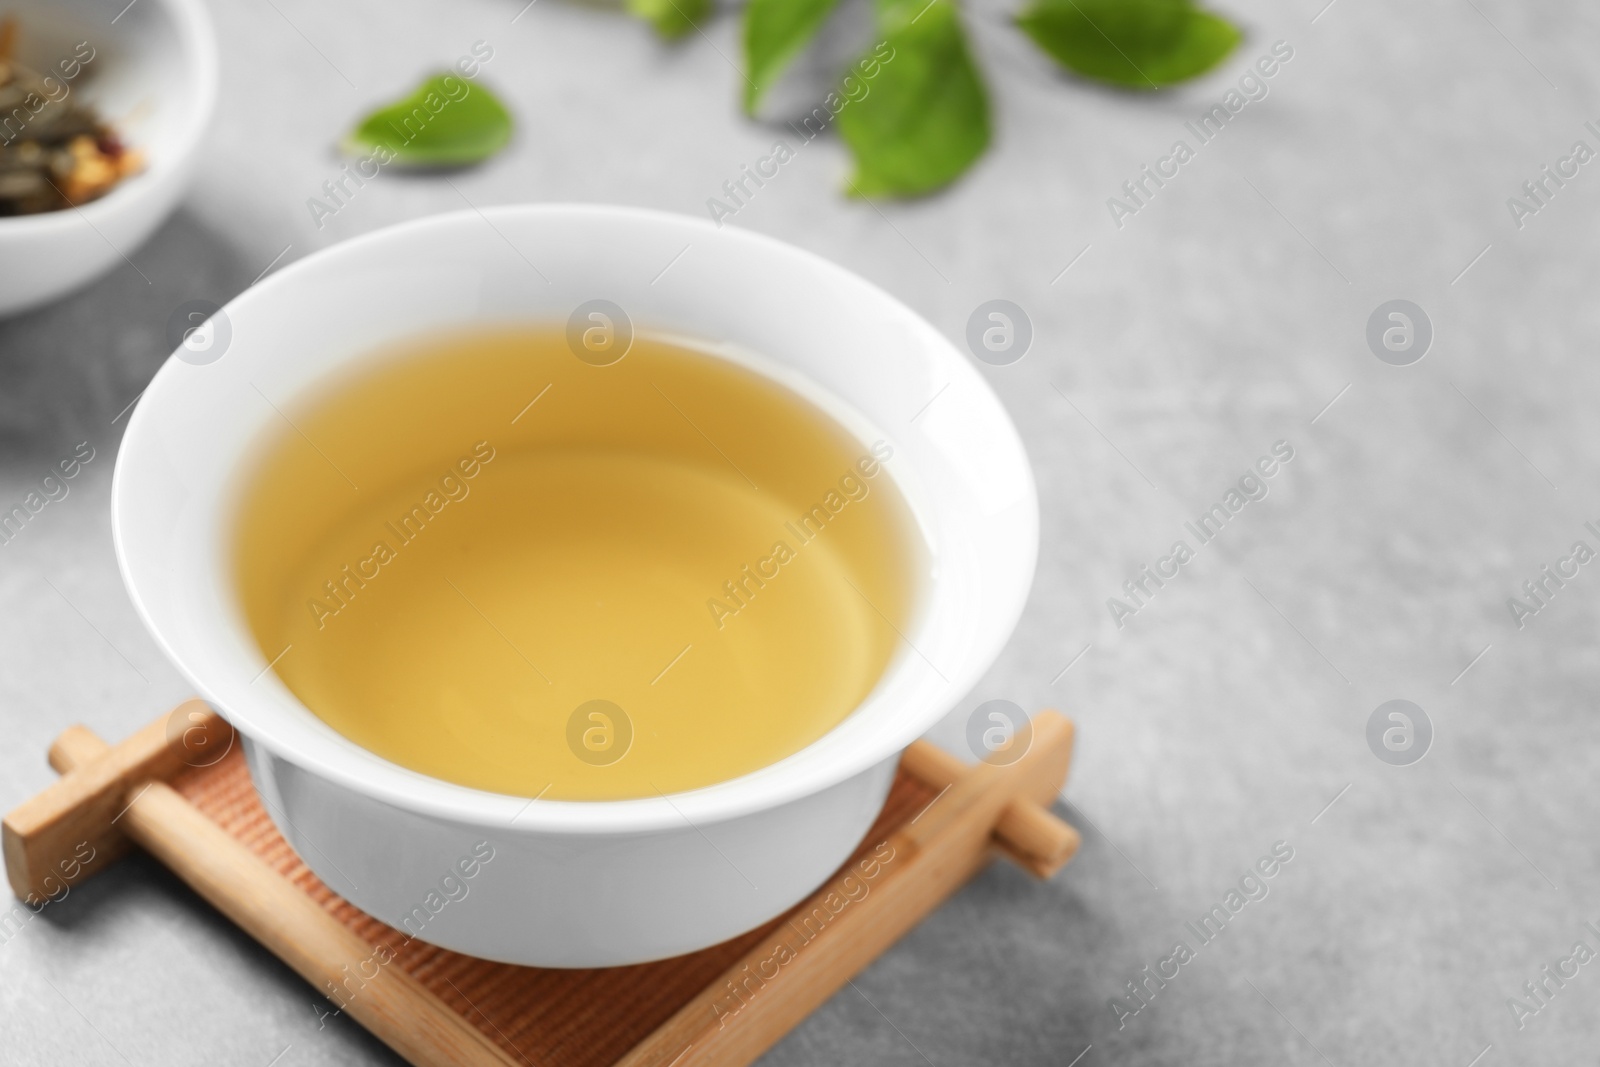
(943, 822)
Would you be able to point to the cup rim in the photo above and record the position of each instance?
(763, 789)
(195, 31)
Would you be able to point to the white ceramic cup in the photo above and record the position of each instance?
(572, 883)
(153, 77)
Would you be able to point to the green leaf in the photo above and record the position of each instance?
(446, 122)
(925, 116)
(1133, 44)
(671, 18)
(774, 33)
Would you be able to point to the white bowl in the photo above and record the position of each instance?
(153, 77)
(575, 884)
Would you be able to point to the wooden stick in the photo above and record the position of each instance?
(79, 814)
(386, 1000)
(46, 838)
(1027, 833)
(837, 932)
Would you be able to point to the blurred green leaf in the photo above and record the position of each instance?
(448, 121)
(1133, 44)
(774, 32)
(671, 18)
(925, 116)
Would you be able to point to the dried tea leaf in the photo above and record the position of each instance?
(55, 152)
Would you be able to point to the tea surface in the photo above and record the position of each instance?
(496, 564)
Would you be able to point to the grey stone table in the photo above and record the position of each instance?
(1176, 340)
